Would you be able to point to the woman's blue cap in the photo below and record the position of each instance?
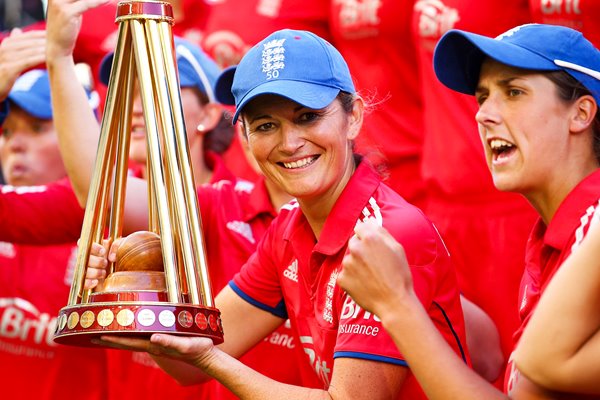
(538, 47)
(31, 93)
(297, 65)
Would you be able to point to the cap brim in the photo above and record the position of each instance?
(105, 67)
(223, 87)
(32, 105)
(458, 57)
(307, 94)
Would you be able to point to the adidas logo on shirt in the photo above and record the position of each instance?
(291, 271)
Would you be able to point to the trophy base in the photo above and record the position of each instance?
(137, 314)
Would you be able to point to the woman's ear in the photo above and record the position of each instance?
(356, 118)
(585, 109)
(211, 116)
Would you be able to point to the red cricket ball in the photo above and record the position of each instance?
(140, 251)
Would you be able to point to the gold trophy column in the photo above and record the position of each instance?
(145, 56)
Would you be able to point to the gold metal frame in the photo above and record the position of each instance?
(144, 54)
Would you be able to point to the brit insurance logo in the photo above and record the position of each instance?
(273, 57)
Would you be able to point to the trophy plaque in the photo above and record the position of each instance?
(159, 282)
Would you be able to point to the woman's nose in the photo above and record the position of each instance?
(291, 140)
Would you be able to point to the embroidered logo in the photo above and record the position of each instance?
(242, 228)
(291, 205)
(590, 218)
(327, 314)
(273, 57)
(371, 210)
(291, 272)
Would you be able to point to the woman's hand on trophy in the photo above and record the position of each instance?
(97, 266)
(100, 256)
(196, 351)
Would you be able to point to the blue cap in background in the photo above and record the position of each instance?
(31, 92)
(196, 69)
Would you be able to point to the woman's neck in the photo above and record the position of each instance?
(277, 196)
(547, 201)
(317, 209)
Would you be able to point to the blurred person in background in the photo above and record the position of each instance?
(35, 280)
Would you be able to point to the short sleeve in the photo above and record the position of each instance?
(258, 281)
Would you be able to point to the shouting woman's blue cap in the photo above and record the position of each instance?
(538, 47)
(297, 65)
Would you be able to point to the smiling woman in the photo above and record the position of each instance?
(300, 113)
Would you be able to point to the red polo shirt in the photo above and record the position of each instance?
(292, 276)
(549, 246)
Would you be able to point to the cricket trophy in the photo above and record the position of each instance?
(160, 281)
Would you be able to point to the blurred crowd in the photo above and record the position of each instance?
(421, 137)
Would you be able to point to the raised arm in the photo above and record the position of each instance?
(372, 276)
(77, 127)
(75, 122)
(560, 347)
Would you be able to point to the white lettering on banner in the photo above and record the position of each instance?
(560, 6)
(320, 366)
(359, 329)
(351, 310)
(435, 18)
(15, 324)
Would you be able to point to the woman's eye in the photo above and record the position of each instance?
(514, 92)
(308, 116)
(264, 127)
(481, 99)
